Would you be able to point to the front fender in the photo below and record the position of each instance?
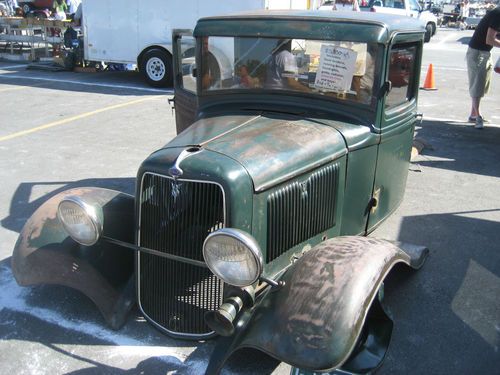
(45, 254)
(314, 321)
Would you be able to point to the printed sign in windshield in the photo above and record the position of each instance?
(336, 68)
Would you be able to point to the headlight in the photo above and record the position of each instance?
(80, 220)
(233, 256)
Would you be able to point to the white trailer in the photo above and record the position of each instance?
(140, 32)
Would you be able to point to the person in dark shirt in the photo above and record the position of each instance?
(479, 64)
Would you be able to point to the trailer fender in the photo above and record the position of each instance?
(315, 319)
(46, 254)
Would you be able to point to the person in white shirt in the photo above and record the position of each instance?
(347, 5)
(464, 13)
(342, 5)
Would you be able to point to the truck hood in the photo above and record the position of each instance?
(272, 148)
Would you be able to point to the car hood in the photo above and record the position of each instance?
(272, 148)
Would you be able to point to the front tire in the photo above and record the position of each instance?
(428, 33)
(156, 66)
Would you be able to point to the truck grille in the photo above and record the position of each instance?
(175, 218)
(300, 211)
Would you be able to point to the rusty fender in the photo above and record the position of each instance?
(46, 254)
(314, 321)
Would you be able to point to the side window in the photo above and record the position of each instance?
(414, 5)
(399, 4)
(187, 64)
(401, 75)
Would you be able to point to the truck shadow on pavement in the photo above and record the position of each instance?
(452, 302)
(447, 314)
(459, 147)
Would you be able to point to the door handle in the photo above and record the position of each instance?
(419, 117)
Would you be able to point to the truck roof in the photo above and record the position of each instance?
(357, 26)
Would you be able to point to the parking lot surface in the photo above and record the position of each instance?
(64, 129)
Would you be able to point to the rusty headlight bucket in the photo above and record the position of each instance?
(233, 256)
(82, 221)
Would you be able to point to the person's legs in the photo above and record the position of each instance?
(479, 123)
(479, 72)
(472, 67)
(474, 112)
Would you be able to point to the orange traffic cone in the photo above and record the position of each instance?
(429, 83)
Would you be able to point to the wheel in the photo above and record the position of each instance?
(156, 66)
(428, 32)
(99, 66)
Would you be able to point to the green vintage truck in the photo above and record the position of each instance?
(294, 138)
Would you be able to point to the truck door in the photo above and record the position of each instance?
(397, 128)
(185, 98)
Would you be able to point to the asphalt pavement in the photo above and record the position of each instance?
(64, 129)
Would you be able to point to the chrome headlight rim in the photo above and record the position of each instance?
(91, 212)
(248, 241)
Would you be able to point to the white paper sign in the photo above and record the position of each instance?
(336, 68)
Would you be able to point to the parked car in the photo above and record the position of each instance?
(410, 8)
(251, 223)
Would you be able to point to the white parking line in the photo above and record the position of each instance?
(69, 120)
(91, 84)
(14, 66)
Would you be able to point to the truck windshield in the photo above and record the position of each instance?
(338, 69)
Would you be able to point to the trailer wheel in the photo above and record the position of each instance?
(156, 66)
